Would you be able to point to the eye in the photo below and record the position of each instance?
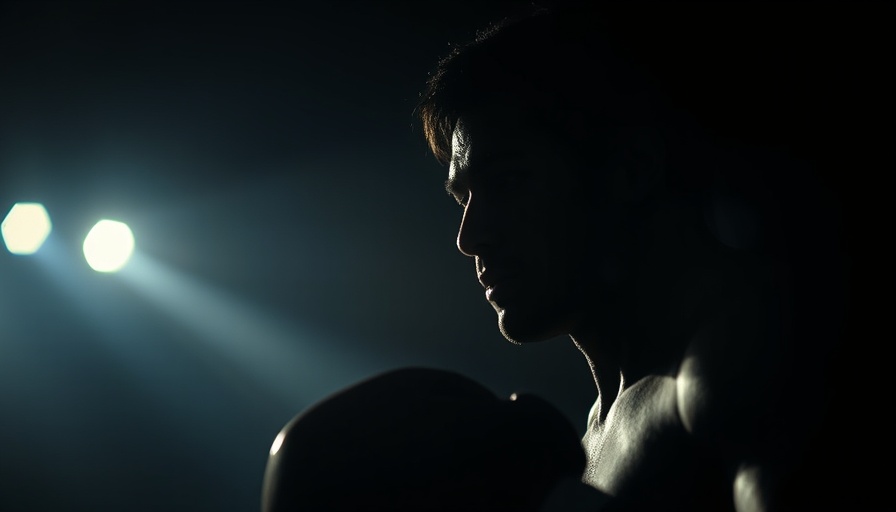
(458, 190)
(460, 198)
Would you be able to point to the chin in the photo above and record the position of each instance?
(520, 327)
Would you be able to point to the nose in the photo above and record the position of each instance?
(475, 233)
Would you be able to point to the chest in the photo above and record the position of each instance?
(642, 454)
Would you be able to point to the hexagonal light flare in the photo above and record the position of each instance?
(25, 228)
(108, 246)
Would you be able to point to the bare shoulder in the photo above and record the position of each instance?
(645, 459)
(731, 370)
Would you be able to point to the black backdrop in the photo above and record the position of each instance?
(266, 156)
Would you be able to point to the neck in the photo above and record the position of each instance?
(617, 360)
(608, 378)
(645, 327)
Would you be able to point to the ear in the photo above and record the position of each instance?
(641, 168)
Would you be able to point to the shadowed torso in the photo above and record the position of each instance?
(643, 456)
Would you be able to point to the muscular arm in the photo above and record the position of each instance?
(737, 395)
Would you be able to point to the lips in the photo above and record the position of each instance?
(491, 280)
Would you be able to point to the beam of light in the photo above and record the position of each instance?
(25, 228)
(158, 378)
(108, 318)
(108, 246)
(296, 365)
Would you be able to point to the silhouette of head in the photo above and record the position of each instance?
(549, 138)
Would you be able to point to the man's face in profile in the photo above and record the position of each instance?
(522, 222)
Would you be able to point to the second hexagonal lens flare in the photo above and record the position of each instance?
(108, 246)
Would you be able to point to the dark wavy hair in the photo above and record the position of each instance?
(566, 77)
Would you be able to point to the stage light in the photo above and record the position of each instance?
(25, 228)
(108, 246)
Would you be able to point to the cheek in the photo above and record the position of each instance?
(563, 252)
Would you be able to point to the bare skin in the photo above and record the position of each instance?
(680, 336)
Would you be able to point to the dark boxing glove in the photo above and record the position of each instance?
(420, 439)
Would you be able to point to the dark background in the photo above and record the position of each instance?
(292, 231)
